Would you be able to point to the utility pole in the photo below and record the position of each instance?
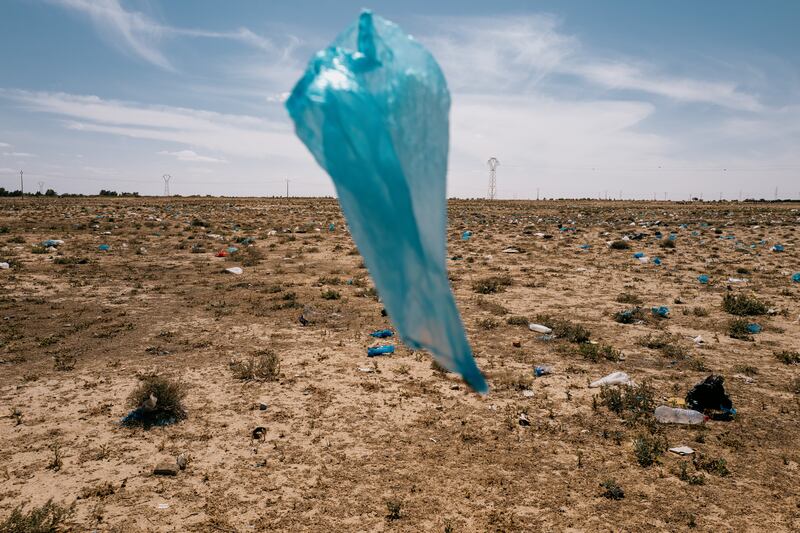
(537, 193)
(41, 187)
(166, 177)
(287, 188)
(493, 163)
(21, 185)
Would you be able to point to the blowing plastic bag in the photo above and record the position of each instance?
(373, 110)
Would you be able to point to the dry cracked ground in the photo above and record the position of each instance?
(392, 443)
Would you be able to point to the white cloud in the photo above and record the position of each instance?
(5, 145)
(190, 155)
(18, 154)
(141, 35)
(515, 54)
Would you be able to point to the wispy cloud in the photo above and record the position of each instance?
(514, 55)
(18, 154)
(142, 35)
(191, 155)
(5, 145)
(233, 135)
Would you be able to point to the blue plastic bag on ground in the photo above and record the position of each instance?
(373, 110)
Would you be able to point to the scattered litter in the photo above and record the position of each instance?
(466, 235)
(702, 278)
(259, 433)
(737, 280)
(104, 247)
(162, 506)
(639, 255)
(539, 371)
(527, 393)
(52, 243)
(682, 450)
(644, 259)
(523, 420)
(674, 415)
(539, 328)
(657, 261)
(699, 340)
(221, 253)
(796, 277)
(511, 250)
(366, 369)
(753, 328)
(615, 378)
(262, 406)
(777, 248)
(661, 311)
(674, 401)
(382, 334)
(380, 350)
(232, 249)
(710, 395)
(234, 270)
(746, 379)
(4, 266)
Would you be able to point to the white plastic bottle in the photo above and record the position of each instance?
(672, 415)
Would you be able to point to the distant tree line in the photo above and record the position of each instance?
(51, 192)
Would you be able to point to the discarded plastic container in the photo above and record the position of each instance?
(539, 371)
(673, 415)
(234, 270)
(662, 311)
(232, 249)
(710, 394)
(4, 266)
(702, 278)
(777, 248)
(753, 328)
(373, 110)
(380, 350)
(538, 328)
(382, 334)
(615, 378)
(657, 261)
(221, 253)
(585, 246)
(466, 235)
(104, 247)
(52, 242)
(638, 255)
(331, 227)
(796, 277)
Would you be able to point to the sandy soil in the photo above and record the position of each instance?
(343, 444)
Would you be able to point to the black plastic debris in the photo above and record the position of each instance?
(709, 395)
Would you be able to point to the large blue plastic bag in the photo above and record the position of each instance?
(373, 110)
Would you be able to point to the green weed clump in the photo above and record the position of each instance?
(50, 517)
(158, 400)
(492, 284)
(648, 448)
(265, 365)
(743, 305)
(564, 329)
(596, 352)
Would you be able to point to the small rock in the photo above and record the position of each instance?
(259, 433)
(523, 420)
(262, 406)
(182, 461)
(166, 468)
(517, 344)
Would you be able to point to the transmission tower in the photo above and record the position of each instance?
(493, 163)
(166, 177)
(41, 187)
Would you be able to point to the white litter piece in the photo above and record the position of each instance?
(682, 450)
(698, 340)
(737, 280)
(527, 393)
(538, 328)
(234, 270)
(644, 259)
(163, 506)
(4, 266)
(367, 369)
(511, 250)
(615, 378)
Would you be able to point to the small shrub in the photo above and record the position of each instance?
(620, 245)
(492, 284)
(613, 491)
(628, 298)
(564, 329)
(718, 466)
(331, 294)
(737, 329)
(648, 448)
(634, 403)
(743, 305)
(492, 307)
(56, 461)
(789, 358)
(263, 366)
(64, 362)
(665, 343)
(700, 311)
(329, 280)
(488, 323)
(596, 352)
(691, 479)
(629, 316)
(168, 408)
(394, 508)
(517, 321)
(667, 244)
(48, 518)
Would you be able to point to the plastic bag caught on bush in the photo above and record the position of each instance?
(373, 110)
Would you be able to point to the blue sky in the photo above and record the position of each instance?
(576, 98)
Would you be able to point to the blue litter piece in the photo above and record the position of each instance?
(585, 246)
(466, 235)
(232, 249)
(662, 311)
(695, 233)
(753, 328)
(657, 261)
(777, 248)
(702, 278)
(796, 277)
(373, 110)
(382, 334)
(380, 350)
(104, 247)
(51, 242)
(540, 371)
(331, 226)
(658, 235)
(637, 255)
(673, 236)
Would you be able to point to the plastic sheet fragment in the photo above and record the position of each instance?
(373, 110)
